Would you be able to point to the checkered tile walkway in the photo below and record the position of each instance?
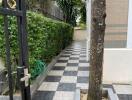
(70, 71)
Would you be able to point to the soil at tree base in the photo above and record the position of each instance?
(84, 96)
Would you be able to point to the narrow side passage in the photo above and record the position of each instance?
(70, 71)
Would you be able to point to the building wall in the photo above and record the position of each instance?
(48, 7)
(116, 21)
(117, 66)
(52, 10)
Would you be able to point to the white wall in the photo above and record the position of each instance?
(117, 66)
(129, 36)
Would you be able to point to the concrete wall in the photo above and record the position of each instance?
(49, 8)
(55, 11)
(117, 66)
(116, 21)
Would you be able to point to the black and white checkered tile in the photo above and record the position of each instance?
(70, 71)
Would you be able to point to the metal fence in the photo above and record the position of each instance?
(18, 9)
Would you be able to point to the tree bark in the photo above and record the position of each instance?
(97, 49)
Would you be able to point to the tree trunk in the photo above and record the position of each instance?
(97, 49)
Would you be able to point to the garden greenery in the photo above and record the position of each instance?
(70, 10)
(46, 38)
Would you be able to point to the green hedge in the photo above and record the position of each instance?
(46, 38)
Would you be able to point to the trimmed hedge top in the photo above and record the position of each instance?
(46, 38)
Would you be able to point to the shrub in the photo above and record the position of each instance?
(46, 38)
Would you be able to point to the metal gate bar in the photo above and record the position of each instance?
(23, 58)
(8, 60)
(10, 12)
(22, 70)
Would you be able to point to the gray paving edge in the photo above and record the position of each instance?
(77, 95)
(111, 94)
(39, 80)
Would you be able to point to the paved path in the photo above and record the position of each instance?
(72, 71)
(80, 34)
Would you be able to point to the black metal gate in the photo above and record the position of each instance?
(18, 9)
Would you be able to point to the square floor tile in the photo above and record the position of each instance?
(124, 97)
(83, 52)
(62, 61)
(52, 79)
(75, 50)
(83, 61)
(67, 52)
(66, 87)
(48, 86)
(73, 61)
(70, 73)
(55, 73)
(83, 64)
(61, 95)
(74, 58)
(58, 68)
(75, 53)
(64, 58)
(65, 55)
(82, 58)
(60, 64)
(71, 68)
(82, 79)
(43, 95)
(82, 55)
(83, 49)
(82, 85)
(68, 79)
(83, 68)
(83, 73)
(123, 89)
(69, 49)
(72, 64)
